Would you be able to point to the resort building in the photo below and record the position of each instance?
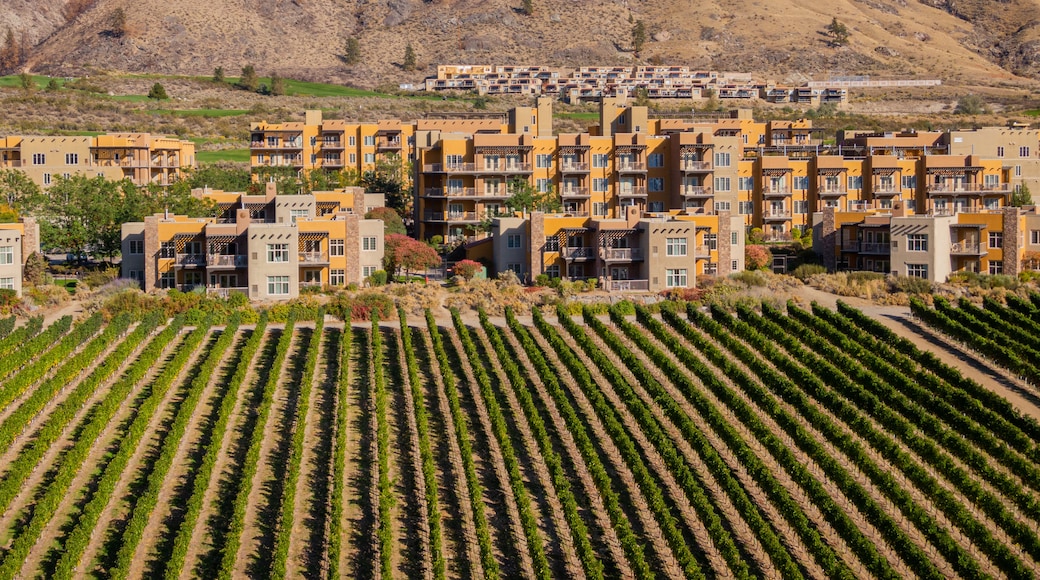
(17, 242)
(142, 158)
(264, 246)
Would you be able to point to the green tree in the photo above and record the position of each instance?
(525, 198)
(838, 33)
(35, 270)
(249, 81)
(409, 61)
(158, 92)
(218, 74)
(527, 7)
(117, 25)
(26, 81)
(177, 199)
(352, 51)
(638, 36)
(390, 177)
(225, 177)
(277, 85)
(970, 105)
(1021, 196)
(392, 222)
(16, 189)
(53, 86)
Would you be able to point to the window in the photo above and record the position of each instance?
(277, 252)
(1018, 171)
(46, 178)
(733, 240)
(1023, 151)
(6, 254)
(553, 271)
(167, 250)
(917, 242)
(66, 175)
(675, 278)
(712, 241)
(722, 159)
(7, 283)
(991, 203)
(745, 207)
(600, 184)
(655, 183)
(745, 183)
(675, 247)
(722, 206)
(1034, 237)
(599, 208)
(352, 140)
(801, 182)
(734, 265)
(39, 159)
(909, 182)
(72, 159)
(370, 140)
(990, 181)
(855, 182)
(655, 160)
(656, 206)
(552, 244)
(336, 247)
(167, 280)
(136, 247)
(514, 242)
(517, 268)
(297, 213)
(543, 185)
(370, 157)
(801, 206)
(996, 239)
(337, 277)
(368, 243)
(1000, 151)
(917, 270)
(722, 183)
(543, 160)
(599, 160)
(277, 285)
(996, 267)
(353, 157)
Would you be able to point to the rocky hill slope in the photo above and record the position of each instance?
(963, 42)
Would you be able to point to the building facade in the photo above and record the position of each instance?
(17, 242)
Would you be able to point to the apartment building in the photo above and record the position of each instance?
(142, 158)
(644, 252)
(930, 245)
(264, 246)
(18, 241)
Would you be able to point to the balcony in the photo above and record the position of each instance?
(883, 248)
(621, 254)
(696, 166)
(457, 192)
(461, 216)
(955, 189)
(505, 168)
(10, 164)
(388, 144)
(634, 191)
(314, 258)
(702, 251)
(225, 292)
(776, 214)
(276, 145)
(191, 260)
(697, 191)
(776, 192)
(967, 248)
(574, 192)
(630, 167)
(885, 190)
(332, 162)
(227, 261)
(831, 191)
(850, 245)
(449, 168)
(332, 144)
(574, 167)
(577, 253)
(628, 286)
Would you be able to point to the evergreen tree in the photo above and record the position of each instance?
(1021, 196)
(27, 81)
(638, 36)
(249, 81)
(117, 23)
(409, 58)
(158, 92)
(838, 32)
(277, 85)
(9, 53)
(352, 51)
(218, 74)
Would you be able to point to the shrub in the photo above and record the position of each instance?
(804, 271)
(467, 269)
(757, 257)
(378, 278)
(755, 236)
(541, 280)
(35, 271)
(909, 285)
(98, 278)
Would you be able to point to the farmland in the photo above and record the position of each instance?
(794, 443)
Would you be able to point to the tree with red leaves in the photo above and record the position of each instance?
(408, 253)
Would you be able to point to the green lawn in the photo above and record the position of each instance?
(1032, 112)
(232, 155)
(16, 81)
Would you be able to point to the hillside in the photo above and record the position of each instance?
(965, 43)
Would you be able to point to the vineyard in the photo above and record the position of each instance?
(803, 443)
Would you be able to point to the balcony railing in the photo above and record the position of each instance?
(702, 251)
(234, 261)
(967, 248)
(850, 245)
(227, 291)
(450, 167)
(875, 248)
(388, 144)
(630, 166)
(628, 285)
(696, 166)
(577, 253)
(332, 144)
(455, 192)
(621, 254)
(967, 188)
(12, 163)
(277, 145)
(313, 257)
(776, 191)
(574, 192)
(783, 214)
(507, 167)
(832, 190)
(697, 191)
(634, 191)
(191, 260)
(574, 167)
(454, 216)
